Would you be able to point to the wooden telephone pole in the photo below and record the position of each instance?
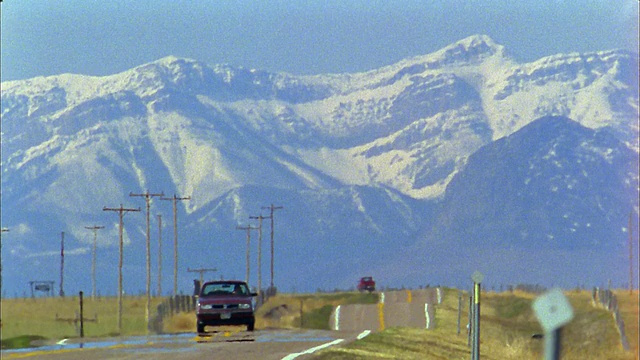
(248, 228)
(62, 264)
(147, 196)
(259, 250)
(159, 255)
(95, 229)
(121, 211)
(175, 199)
(1, 231)
(201, 271)
(271, 209)
(631, 252)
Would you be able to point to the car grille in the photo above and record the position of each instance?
(225, 306)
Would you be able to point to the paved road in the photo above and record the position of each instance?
(415, 308)
(260, 344)
(412, 308)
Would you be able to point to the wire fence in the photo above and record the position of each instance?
(187, 304)
(609, 301)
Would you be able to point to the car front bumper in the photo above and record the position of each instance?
(228, 318)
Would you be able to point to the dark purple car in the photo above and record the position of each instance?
(225, 303)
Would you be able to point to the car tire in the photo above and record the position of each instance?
(200, 329)
(250, 326)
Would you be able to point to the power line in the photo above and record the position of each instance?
(147, 196)
(95, 229)
(175, 199)
(121, 211)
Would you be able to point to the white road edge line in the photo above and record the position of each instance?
(426, 315)
(313, 349)
(363, 334)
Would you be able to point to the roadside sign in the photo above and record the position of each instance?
(553, 310)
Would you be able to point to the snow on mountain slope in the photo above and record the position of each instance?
(409, 125)
(72, 144)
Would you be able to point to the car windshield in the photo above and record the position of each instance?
(224, 288)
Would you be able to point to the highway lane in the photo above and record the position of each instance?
(411, 308)
(414, 308)
(268, 344)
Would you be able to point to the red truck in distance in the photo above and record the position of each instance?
(367, 284)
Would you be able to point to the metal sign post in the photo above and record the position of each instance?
(553, 312)
(477, 278)
(81, 315)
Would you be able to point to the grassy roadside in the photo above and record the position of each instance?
(36, 318)
(629, 304)
(507, 326)
(287, 311)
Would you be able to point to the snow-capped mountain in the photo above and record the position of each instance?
(359, 161)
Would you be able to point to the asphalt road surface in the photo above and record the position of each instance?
(260, 344)
(410, 308)
(348, 323)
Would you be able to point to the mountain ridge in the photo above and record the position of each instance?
(391, 138)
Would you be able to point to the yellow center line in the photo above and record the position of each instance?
(381, 315)
(59, 351)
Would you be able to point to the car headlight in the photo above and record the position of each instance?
(205, 307)
(244, 306)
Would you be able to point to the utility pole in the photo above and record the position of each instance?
(248, 228)
(147, 196)
(259, 251)
(1, 231)
(95, 229)
(121, 211)
(201, 271)
(159, 255)
(271, 209)
(631, 252)
(175, 239)
(62, 265)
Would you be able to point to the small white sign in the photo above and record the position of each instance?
(477, 277)
(553, 310)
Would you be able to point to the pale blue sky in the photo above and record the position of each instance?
(41, 37)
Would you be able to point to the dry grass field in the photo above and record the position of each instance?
(37, 316)
(507, 325)
(628, 303)
(285, 311)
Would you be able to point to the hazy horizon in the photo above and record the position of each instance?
(42, 38)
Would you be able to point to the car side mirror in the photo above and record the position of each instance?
(254, 294)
